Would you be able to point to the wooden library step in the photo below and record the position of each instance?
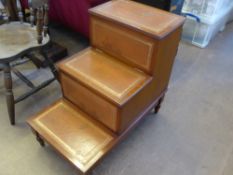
(106, 93)
(72, 133)
(151, 21)
(104, 75)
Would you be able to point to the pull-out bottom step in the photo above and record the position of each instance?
(73, 134)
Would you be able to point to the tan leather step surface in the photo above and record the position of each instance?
(104, 74)
(149, 20)
(79, 139)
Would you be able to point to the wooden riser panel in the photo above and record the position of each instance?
(126, 45)
(89, 102)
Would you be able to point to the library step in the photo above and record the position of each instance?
(73, 133)
(111, 86)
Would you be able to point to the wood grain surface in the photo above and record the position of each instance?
(110, 87)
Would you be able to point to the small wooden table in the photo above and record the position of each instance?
(16, 40)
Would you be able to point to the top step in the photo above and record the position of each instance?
(151, 21)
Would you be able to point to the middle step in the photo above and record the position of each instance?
(100, 85)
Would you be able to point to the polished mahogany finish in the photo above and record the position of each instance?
(110, 87)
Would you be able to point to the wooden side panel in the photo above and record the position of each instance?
(126, 45)
(89, 102)
(165, 58)
(166, 55)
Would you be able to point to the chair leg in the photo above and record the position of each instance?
(36, 61)
(158, 105)
(9, 93)
(50, 64)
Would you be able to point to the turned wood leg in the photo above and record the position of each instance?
(50, 64)
(158, 105)
(9, 93)
(36, 61)
(88, 173)
(39, 139)
(12, 9)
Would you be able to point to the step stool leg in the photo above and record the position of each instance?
(158, 105)
(39, 139)
(50, 64)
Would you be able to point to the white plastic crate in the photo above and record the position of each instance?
(201, 33)
(231, 16)
(205, 8)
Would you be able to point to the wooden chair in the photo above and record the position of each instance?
(17, 39)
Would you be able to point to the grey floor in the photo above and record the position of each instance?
(191, 135)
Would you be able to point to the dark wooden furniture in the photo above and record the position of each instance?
(109, 87)
(161, 4)
(17, 40)
(174, 6)
(11, 7)
(71, 13)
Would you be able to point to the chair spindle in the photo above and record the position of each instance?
(32, 17)
(46, 20)
(39, 24)
(20, 12)
(6, 17)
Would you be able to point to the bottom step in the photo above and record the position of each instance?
(73, 134)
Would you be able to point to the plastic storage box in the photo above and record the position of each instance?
(205, 8)
(231, 16)
(200, 33)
